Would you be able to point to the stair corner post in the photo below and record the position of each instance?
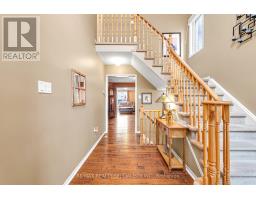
(204, 138)
(211, 146)
(226, 145)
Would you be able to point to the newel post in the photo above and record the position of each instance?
(212, 146)
(205, 144)
(226, 145)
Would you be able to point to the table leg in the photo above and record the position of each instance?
(157, 133)
(170, 151)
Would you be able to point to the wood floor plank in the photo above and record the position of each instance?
(120, 159)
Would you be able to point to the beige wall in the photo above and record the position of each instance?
(43, 137)
(232, 65)
(171, 23)
(142, 84)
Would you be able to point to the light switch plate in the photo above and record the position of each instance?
(44, 87)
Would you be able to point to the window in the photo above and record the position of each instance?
(196, 34)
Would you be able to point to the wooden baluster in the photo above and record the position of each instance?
(103, 29)
(98, 28)
(194, 102)
(143, 36)
(160, 51)
(117, 29)
(180, 85)
(226, 145)
(211, 147)
(150, 126)
(107, 29)
(184, 92)
(190, 102)
(135, 36)
(187, 97)
(141, 123)
(125, 30)
(199, 113)
(112, 28)
(121, 29)
(139, 32)
(147, 40)
(205, 144)
(217, 140)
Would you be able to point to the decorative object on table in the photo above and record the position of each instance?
(169, 117)
(164, 99)
(171, 107)
(78, 88)
(244, 27)
(146, 98)
(175, 40)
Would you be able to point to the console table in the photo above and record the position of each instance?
(171, 132)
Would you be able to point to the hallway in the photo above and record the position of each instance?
(118, 159)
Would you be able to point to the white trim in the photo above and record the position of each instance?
(190, 172)
(136, 98)
(74, 172)
(233, 99)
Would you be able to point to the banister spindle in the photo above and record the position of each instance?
(187, 97)
(217, 146)
(131, 22)
(135, 34)
(205, 144)
(194, 102)
(199, 113)
(190, 102)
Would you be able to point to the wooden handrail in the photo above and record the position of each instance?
(186, 66)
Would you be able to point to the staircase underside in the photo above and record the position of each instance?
(128, 55)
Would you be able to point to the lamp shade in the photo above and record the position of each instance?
(165, 99)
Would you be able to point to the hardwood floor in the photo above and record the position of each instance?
(119, 159)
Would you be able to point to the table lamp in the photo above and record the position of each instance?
(164, 99)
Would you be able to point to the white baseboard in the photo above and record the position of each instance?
(74, 172)
(233, 99)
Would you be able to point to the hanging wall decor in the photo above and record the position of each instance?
(175, 39)
(78, 88)
(244, 27)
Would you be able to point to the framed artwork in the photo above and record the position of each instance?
(146, 98)
(175, 38)
(78, 88)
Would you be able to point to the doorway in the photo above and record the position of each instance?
(121, 101)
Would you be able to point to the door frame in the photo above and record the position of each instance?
(106, 99)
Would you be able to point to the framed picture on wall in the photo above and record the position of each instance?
(146, 98)
(175, 39)
(78, 88)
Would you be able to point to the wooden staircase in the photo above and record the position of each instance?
(201, 109)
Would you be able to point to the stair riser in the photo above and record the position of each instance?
(243, 180)
(233, 120)
(242, 155)
(241, 136)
